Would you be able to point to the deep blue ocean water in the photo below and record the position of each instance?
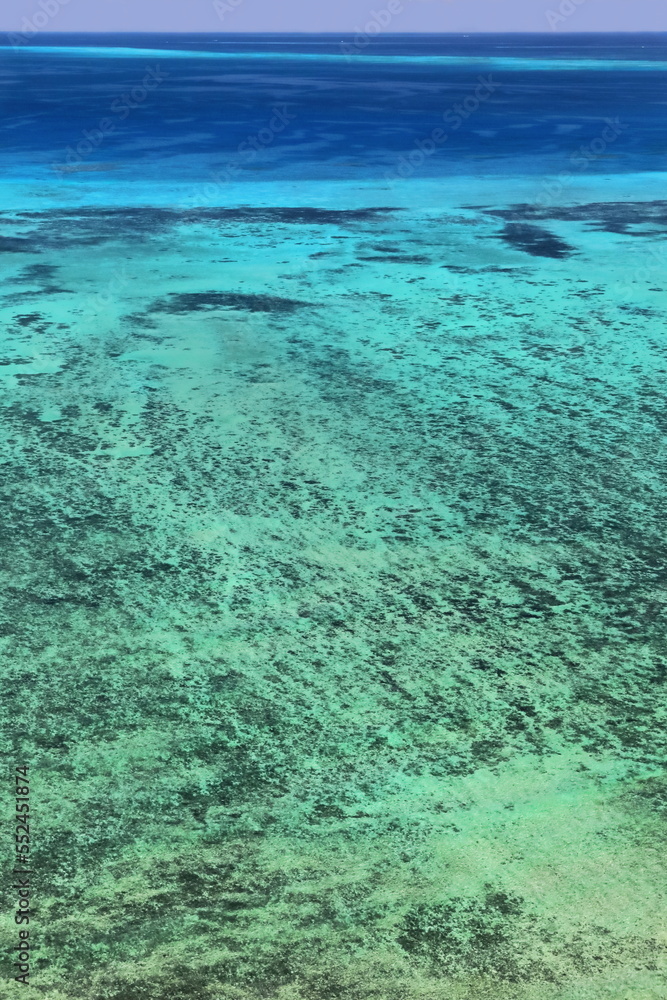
(351, 116)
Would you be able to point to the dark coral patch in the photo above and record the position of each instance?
(188, 302)
(299, 216)
(535, 241)
(17, 244)
(37, 273)
(608, 217)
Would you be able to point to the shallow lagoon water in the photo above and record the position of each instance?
(334, 523)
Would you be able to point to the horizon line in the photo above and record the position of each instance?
(335, 34)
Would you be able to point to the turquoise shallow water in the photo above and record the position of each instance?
(333, 539)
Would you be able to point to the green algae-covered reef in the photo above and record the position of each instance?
(333, 602)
